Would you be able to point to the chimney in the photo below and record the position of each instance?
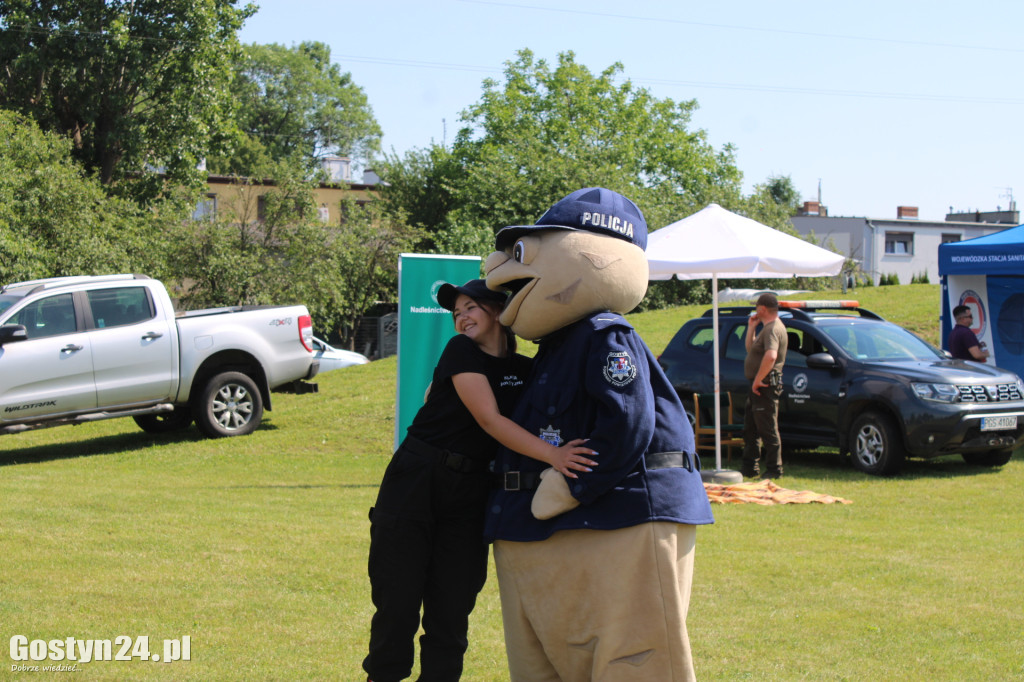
(811, 208)
(338, 168)
(906, 212)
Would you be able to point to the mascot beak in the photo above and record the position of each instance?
(503, 272)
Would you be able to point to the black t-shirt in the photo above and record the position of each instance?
(444, 421)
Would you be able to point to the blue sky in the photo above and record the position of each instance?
(903, 102)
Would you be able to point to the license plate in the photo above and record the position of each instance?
(998, 423)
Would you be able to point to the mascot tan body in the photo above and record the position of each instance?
(594, 573)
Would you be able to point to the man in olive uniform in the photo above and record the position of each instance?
(766, 354)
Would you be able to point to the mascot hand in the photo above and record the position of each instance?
(552, 497)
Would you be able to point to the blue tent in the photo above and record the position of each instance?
(987, 274)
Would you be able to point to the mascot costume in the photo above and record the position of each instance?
(594, 572)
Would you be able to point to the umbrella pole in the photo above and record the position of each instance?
(718, 389)
(718, 475)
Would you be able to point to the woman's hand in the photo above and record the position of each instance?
(476, 394)
(572, 457)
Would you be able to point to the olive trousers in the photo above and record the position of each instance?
(762, 447)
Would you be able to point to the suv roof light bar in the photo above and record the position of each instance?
(800, 310)
(819, 304)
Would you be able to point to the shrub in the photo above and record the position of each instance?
(890, 279)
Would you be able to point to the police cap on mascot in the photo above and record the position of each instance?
(595, 572)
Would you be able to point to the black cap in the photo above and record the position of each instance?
(476, 289)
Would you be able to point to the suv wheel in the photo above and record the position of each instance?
(992, 458)
(875, 444)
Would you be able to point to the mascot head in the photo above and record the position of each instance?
(585, 255)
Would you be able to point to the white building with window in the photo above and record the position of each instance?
(903, 246)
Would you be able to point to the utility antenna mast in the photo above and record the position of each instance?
(1009, 195)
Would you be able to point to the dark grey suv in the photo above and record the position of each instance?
(867, 386)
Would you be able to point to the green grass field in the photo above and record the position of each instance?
(255, 548)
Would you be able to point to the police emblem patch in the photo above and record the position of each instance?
(551, 435)
(619, 369)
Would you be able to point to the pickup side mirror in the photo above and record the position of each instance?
(821, 361)
(9, 333)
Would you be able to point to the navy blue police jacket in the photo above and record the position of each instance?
(597, 379)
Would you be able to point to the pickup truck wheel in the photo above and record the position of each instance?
(991, 458)
(164, 422)
(230, 405)
(875, 444)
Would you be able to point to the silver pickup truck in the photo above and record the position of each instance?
(79, 349)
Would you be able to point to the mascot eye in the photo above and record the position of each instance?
(519, 251)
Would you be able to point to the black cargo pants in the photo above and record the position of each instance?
(426, 551)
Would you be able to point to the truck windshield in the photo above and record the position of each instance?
(7, 301)
(879, 341)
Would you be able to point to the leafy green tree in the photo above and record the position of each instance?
(241, 256)
(784, 193)
(55, 220)
(353, 268)
(268, 247)
(294, 104)
(547, 130)
(136, 84)
(773, 203)
(423, 185)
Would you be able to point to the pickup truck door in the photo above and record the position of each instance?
(51, 372)
(133, 348)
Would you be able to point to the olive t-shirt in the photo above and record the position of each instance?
(771, 337)
(444, 421)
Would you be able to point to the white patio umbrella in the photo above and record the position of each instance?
(714, 243)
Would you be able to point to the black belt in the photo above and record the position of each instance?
(529, 480)
(446, 458)
(672, 460)
(520, 480)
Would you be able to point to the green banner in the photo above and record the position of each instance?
(424, 327)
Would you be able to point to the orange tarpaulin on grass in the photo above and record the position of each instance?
(765, 492)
